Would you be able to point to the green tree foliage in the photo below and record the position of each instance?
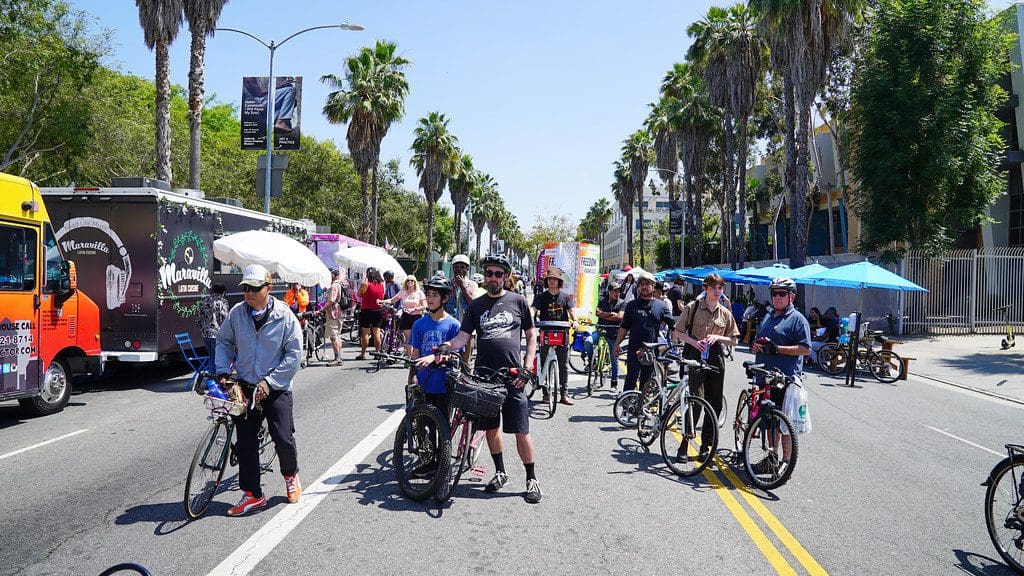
(926, 138)
(47, 56)
(548, 228)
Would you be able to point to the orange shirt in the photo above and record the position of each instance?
(300, 296)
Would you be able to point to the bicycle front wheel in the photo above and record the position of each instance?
(626, 408)
(832, 358)
(681, 436)
(207, 468)
(267, 451)
(318, 343)
(1004, 513)
(460, 439)
(577, 362)
(742, 421)
(551, 383)
(886, 366)
(770, 449)
(422, 452)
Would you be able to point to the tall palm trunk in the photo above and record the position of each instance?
(728, 224)
(790, 144)
(741, 167)
(195, 106)
(640, 217)
(430, 237)
(698, 224)
(375, 199)
(629, 236)
(801, 218)
(366, 228)
(163, 113)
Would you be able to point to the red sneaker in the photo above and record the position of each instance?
(247, 504)
(293, 487)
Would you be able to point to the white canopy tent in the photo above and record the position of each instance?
(290, 260)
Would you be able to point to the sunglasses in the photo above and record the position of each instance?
(494, 273)
(247, 288)
(780, 293)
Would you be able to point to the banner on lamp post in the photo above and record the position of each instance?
(287, 112)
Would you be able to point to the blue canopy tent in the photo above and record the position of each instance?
(741, 277)
(862, 275)
(696, 275)
(798, 274)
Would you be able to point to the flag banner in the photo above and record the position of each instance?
(287, 112)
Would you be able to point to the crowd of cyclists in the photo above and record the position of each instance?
(486, 311)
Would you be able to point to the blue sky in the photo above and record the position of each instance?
(541, 94)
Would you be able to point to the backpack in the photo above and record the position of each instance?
(344, 300)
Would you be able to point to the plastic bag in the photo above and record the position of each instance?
(795, 407)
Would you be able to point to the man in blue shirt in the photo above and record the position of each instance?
(641, 320)
(782, 341)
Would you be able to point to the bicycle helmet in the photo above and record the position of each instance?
(783, 282)
(478, 278)
(439, 283)
(497, 259)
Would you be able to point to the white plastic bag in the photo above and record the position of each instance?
(794, 406)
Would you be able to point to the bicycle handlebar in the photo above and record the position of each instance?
(773, 377)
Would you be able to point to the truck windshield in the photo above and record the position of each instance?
(18, 248)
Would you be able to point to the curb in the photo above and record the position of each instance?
(971, 388)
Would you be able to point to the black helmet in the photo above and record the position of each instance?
(496, 260)
(439, 283)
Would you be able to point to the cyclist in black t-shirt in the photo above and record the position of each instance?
(609, 315)
(500, 318)
(553, 305)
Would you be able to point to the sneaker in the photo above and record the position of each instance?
(532, 494)
(293, 488)
(565, 400)
(497, 483)
(615, 386)
(681, 456)
(768, 465)
(247, 504)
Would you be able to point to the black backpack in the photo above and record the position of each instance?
(344, 298)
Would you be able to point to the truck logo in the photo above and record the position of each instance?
(117, 277)
(181, 278)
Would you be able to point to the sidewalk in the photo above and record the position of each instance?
(972, 361)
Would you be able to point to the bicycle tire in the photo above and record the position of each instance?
(757, 441)
(742, 421)
(886, 366)
(1003, 516)
(207, 468)
(126, 567)
(625, 408)
(648, 420)
(460, 439)
(551, 382)
(268, 453)
(423, 447)
(675, 438)
(353, 330)
(723, 413)
(577, 362)
(318, 342)
(832, 358)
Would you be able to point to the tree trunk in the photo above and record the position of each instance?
(698, 225)
(629, 235)
(790, 143)
(800, 216)
(728, 215)
(741, 166)
(195, 105)
(163, 113)
(672, 197)
(640, 217)
(375, 199)
(478, 234)
(365, 228)
(430, 237)
(458, 231)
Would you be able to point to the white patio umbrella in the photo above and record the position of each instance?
(359, 258)
(289, 259)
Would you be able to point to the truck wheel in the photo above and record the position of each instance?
(55, 392)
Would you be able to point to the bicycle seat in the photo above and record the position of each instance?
(877, 333)
(552, 325)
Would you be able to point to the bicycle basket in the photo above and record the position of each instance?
(553, 337)
(477, 399)
(224, 406)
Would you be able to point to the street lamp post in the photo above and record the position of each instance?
(270, 93)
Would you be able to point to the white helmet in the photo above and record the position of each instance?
(477, 277)
(460, 259)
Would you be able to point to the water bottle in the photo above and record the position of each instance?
(704, 354)
(213, 390)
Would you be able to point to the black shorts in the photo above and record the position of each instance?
(515, 413)
(406, 321)
(371, 318)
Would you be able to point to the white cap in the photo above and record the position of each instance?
(460, 259)
(255, 275)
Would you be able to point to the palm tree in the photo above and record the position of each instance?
(666, 154)
(435, 150)
(161, 21)
(495, 219)
(482, 201)
(459, 186)
(370, 98)
(638, 153)
(622, 191)
(802, 36)
(202, 16)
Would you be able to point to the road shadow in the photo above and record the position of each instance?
(376, 486)
(391, 407)
(982, 363)
(980, 565)
(601, 419)
(648, 460)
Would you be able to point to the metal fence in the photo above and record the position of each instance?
(964, 289)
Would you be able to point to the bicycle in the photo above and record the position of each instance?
(1007, 342)
(599, 366)
(131, 567)
(350, 325)
(577, 356)
(760, 428)
(885, 365)
(552, 335)
(215, 451)
(667, 354)
(1004, 509)
(432, 452)
(313, 335)
(392, 341)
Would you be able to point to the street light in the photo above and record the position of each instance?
(270, 92)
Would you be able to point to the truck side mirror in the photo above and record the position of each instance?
(68, 277)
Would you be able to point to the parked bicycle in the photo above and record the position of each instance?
(216, 450)
(885, 365)
(552, 335)
(1008, 341)
(764, 437)
(578, 360)
(313, 335)
(431, 451)
(1004, 507)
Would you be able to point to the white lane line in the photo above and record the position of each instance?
(966, 441)
(51, 441)
(259, 545)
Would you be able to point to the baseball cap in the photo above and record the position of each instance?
(255, 275)
(615, 286)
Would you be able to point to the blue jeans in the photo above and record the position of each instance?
(588, 348)
(211, 351)
(635, 370)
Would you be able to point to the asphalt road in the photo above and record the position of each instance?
(887, 483)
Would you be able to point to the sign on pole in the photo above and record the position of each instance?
(287, 112)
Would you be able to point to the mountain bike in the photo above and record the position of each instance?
(350, 324)
(552, 335)
(313, 335)
(599, 366)
(392, 341)
(761, 430)
(885, 365)
(215, 451)
(1007, 342)
(1004, 507)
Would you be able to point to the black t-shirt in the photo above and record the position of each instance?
(642, 319)
(499, 324)
(552, 307)
(609, 328)
(674, 294)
